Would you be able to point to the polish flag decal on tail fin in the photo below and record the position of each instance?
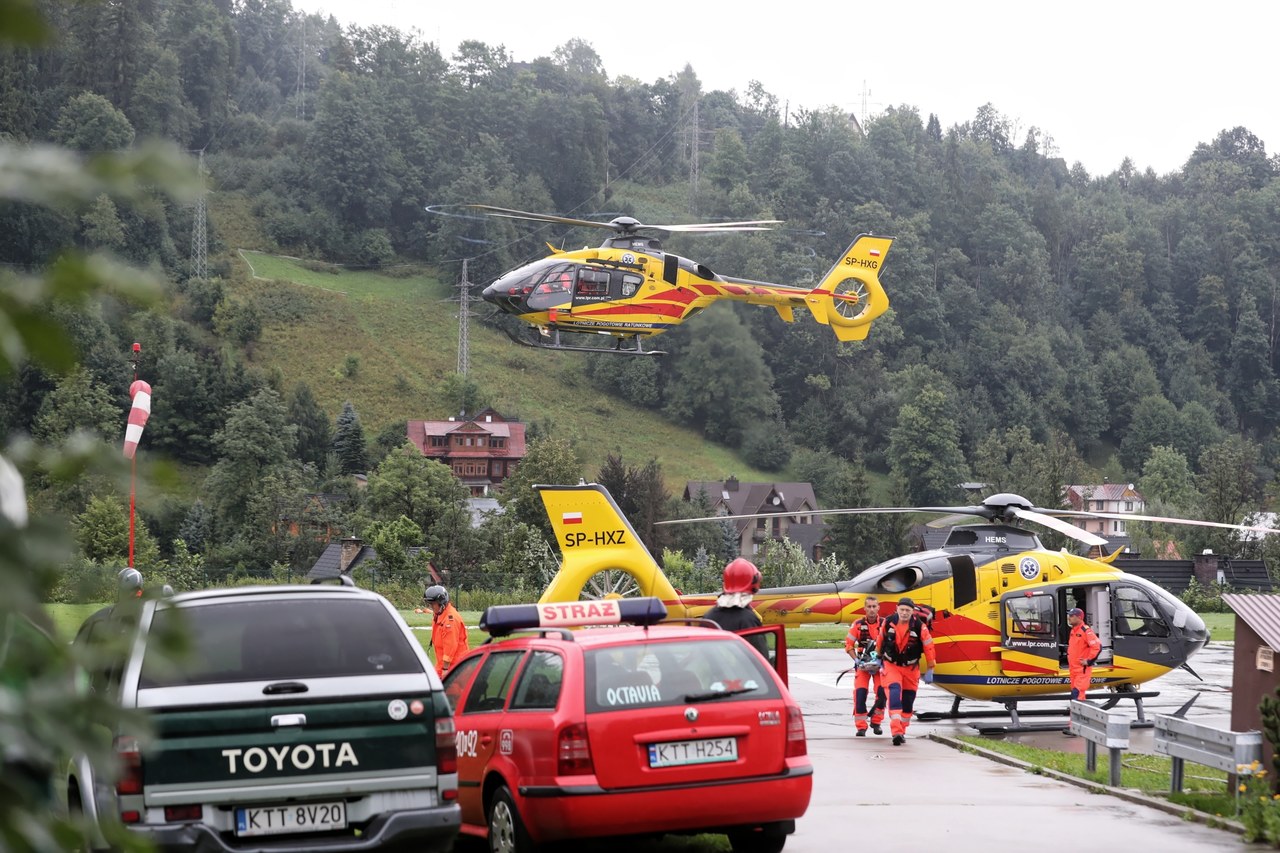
(571, 518)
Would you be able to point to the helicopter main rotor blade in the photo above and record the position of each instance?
(869, 510)
(714, 227)
(1059, 525)
(952, 520)
(626, 224)
(1130, 516)
(508, 213)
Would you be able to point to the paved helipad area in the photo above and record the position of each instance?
(925, 795)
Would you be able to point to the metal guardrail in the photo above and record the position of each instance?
(1181, 740)
(1100, 727)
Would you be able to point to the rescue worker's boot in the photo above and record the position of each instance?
(861, 733)
(899, 740)
(877, 715)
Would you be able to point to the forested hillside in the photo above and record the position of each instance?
(1048, 326)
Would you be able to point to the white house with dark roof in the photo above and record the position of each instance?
(1107, 497)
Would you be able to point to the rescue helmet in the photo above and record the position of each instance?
(741, 576)
(436, 594)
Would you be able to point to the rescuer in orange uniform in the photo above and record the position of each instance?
(860, 644)
(1082, 652)
(448, 634)
(904, 638)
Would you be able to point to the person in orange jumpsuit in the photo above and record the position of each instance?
(904, 639)
(448, 634)
(1082, 652)
(860, 644)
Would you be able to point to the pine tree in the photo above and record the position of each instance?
(348, 442)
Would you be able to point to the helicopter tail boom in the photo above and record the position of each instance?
(850, 296)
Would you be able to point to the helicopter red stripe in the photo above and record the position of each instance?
(961, 650)
(1011, 667)
(965, 625)
(628, 310)
(786, 604)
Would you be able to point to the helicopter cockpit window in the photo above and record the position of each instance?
(900, 580)
(630, 284)
(1136, 614)
(553, 288)
(1029, 618)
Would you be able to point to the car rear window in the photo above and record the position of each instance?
(277, 639)
(658, 673)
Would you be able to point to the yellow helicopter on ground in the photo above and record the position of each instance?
(996, 596)
(630, 289)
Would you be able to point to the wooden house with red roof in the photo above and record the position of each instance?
(482, 450)
(789, 508)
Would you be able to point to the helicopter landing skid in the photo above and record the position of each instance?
(555, 344)
(1108, 700)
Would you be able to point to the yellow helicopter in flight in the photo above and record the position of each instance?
(997, 598)
(629, 288)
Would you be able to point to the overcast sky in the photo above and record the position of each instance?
(1104, 80)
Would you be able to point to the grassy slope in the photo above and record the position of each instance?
(405, 333)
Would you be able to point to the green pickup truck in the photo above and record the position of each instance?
(269, 718)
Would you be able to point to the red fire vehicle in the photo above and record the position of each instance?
(566, 731)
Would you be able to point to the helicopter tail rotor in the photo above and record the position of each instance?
(850, 296)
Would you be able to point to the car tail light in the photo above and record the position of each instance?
(796, 744)
(176, 813)
(130, 781)
(130, 816)
(573, 758)
(446, 746)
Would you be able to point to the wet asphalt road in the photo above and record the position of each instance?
(943, 799)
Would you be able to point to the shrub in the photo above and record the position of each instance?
(1206, 598)
(1259, 808)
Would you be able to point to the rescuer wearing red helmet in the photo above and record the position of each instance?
(1082, 652)
(733, 608)
(860, 644)
(904, 639)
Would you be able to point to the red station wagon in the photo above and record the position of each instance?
(643, 729)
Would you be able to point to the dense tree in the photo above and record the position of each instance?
(102, 535)
(89, 122)
(315, 436)
(76, 404)
(348, 441)
(548, 460)
(409, 484)
(924, 450)
(256, 441)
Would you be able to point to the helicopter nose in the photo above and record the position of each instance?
(1195, 632)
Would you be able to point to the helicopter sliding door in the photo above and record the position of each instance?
(1028, 634)
(1095, 601)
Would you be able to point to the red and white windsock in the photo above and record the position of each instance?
(141, 394)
